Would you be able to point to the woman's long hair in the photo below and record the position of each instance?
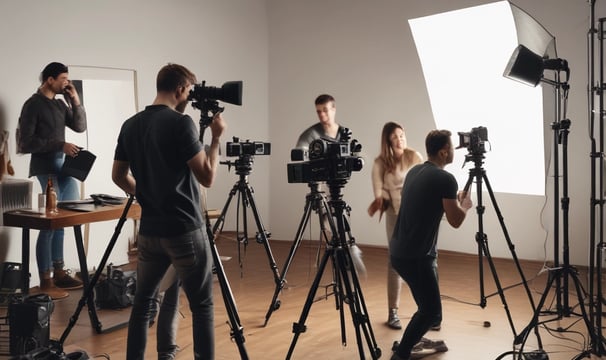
(387, 154)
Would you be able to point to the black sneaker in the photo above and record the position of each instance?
(436, 327)
(427, 347)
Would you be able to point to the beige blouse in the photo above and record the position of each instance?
(389, 184)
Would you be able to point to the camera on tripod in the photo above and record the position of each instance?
(237, 148)
(328, 160)
(474, 140)
(206, 99)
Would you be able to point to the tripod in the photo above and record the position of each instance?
(479, 174)
(243, 167)
(56, 346)
(314, 201)
(346, 287)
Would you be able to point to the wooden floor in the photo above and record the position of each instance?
(464, 328)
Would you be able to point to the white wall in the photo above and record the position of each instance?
(363, 53)
(218, 40)
(287, 52)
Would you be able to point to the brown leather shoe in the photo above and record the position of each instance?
(48, 287)
(64, 280)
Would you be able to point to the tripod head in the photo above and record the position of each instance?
(243, 164)
(336, 196)
(334, 187)
(477, 158)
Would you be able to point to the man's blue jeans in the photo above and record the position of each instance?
(190, 254)
(49, 246)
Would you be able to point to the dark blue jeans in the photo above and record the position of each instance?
(49, 246)
(190, 254)
(420, 276)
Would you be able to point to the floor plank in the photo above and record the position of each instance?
(464, 328)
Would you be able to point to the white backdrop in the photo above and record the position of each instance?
(109, 98)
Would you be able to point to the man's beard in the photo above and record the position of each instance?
(181, 106)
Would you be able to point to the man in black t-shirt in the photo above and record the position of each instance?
(429, 192)
(161, 147)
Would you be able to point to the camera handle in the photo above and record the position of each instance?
(208, 110)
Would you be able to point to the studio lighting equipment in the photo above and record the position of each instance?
(527, 67)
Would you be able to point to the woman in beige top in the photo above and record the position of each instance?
(388, 173)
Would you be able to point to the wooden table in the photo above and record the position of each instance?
(28, 219)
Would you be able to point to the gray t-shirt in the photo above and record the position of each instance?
(314, 132)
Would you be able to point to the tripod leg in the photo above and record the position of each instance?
(352, 295)
(362, 311)
(220, 222)
(262, 235)
(495, 276)
(221, 219)
(87, 293)
(512, 251)
(275, 303)
(299, 326)
(237, 331)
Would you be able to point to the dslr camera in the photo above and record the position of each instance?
(326, 160)
(237, 148)
(474, 140)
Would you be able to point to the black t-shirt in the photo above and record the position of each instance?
(157, 143)
(416, 231)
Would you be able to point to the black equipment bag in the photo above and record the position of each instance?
(10, 280)
(117, 290)
(48, 354)
(29, 323)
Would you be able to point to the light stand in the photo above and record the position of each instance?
(528, 67)
(596, 244)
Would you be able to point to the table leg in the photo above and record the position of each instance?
(90, 301)
(25, 261)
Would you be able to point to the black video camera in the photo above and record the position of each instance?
(237, 148)
(474, 140)
(328, 160)
(206, 99)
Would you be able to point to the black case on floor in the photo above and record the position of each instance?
(29, 323)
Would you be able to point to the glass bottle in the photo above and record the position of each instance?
(51, 197)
